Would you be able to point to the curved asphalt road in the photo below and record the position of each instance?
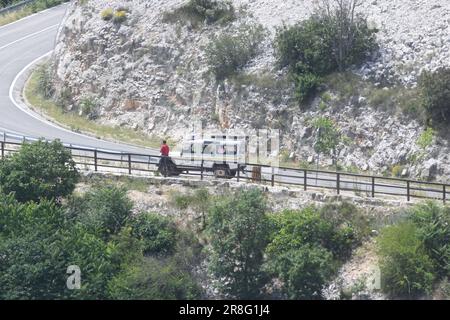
(21, 43)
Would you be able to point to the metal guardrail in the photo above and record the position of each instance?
(109, 161)
(16, 6)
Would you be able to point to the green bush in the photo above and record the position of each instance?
(88, 107)
(329, 139)
(308, 245)
(238, 230)
(435, 92)
(320, 46)
(344, 215)
(197, 12)
(306, 85)
(154, 279)
(406, 269)
(107, 14)
(229, 53)
(39, 170)
(119, 16)
(158, 233)
(181, 201)
(104, 210)
(295, 229)
(433, 223)
(45, 84)
(426, 138)
(304, 271)
(38, 244)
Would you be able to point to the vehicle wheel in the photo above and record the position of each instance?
(221, 172)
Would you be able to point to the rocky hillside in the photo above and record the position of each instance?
(152, 75)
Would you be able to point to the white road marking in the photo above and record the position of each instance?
(28, 36)
(32, 114)
(47, 122)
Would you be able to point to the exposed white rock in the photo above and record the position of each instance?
(152, 76)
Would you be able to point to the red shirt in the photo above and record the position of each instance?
(165, 150)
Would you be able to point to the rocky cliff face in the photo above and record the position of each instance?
(152, 76)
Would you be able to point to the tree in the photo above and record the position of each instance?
(39, 170)
(352, 38)
(37, 247)
(435, 92)
(333, 39)
(239, 232)
(329, 139)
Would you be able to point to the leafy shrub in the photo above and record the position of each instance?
(397, 170)
(406, 269)
(45, 84)
(344, 215)
(104, 210)
(197, 12)
(38, 244)
(426, 138)
(107, 14)
(181, 201)
(304, 271)
(153, 279)
(308, 245)
(306, 85)
(297, 228)
(321, 45)
(120, 16)
(238, 229)
(433, 223)
(329, 139)
(435, 91)
(157, 233)
(39, 170)
(89, 107)
(229, 53)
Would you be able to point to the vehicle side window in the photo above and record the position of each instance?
(208, 149)
(231, 150)
(221, 149)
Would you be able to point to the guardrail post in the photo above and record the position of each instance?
(129, 164)
(305, 179)
(444, 193)
(95, 159)
(338, 183)
(373, 187)
(273, 177)
(408, 190)
(238, 172)
(201, 171)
